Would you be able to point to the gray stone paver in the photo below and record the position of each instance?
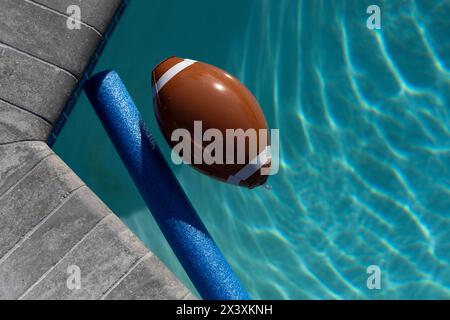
(49, 220)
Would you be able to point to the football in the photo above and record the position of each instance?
(211, 121)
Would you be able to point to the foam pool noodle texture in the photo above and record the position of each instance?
(171, 208)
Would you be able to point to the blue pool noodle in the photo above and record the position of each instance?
(171, 208)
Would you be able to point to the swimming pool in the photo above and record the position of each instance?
(365, 141)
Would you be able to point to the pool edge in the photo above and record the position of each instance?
(53, 228)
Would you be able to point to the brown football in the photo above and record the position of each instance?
(186, 92)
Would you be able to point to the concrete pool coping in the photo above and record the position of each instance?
(52, 226)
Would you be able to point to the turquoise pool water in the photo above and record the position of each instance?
(364, 119)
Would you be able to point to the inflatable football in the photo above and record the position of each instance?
(226, 128)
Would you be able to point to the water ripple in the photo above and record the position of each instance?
(352, 191)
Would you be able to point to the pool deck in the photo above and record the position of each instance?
(49, 219)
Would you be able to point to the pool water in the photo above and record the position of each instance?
(364, 119)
